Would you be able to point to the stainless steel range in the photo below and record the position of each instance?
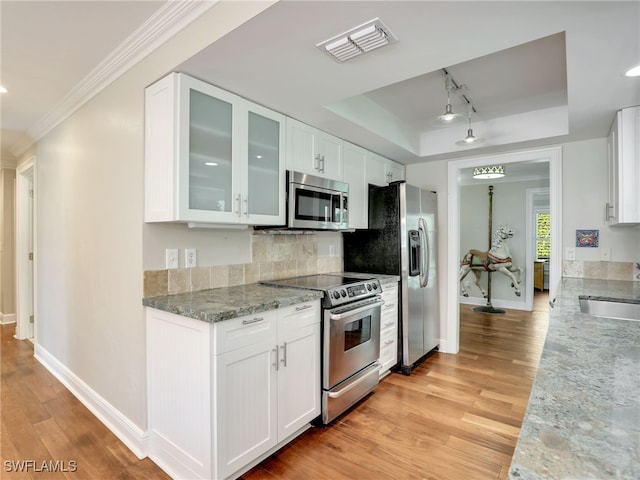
(350, 338)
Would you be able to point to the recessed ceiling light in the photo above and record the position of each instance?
(2, 89)
(258, 156)
(211, 164)
(633, 72)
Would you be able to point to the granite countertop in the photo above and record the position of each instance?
(217, 304)
(583, 416)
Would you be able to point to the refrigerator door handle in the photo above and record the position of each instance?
(424, 260)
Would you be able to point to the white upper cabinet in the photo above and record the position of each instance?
(382, 171)
(394, 171)
(623, 162)
(312, 151)
(362, 168)
(211, 156)
(355, 159)
(376, 169)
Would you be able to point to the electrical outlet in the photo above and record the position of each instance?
(189, 257)
(605, 254)
(570, 253)
(171, 258)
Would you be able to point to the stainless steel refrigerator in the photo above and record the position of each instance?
(401, 240)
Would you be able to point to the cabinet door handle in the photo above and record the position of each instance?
(303, 307)
(239, 204)
(284, 354)
(322, 164)
(246, 206)
(388, 342)
(607, 209)
(275, 354)
(253, 320)
(388, 324)
(317, 162)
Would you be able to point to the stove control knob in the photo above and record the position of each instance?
(343, 292)
(336, 294)
(369, 286)
(375, 286)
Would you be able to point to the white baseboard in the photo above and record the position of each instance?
(496, 303)
(130, 434)
(7, 318)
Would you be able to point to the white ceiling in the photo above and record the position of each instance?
(537, 72)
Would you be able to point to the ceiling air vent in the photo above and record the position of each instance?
(361, 39)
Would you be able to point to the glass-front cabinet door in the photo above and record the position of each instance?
(211, 156)
(264, 178)
(208, 154)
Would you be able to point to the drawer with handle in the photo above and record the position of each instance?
(239, 332)
(388, 349)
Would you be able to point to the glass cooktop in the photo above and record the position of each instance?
(316, 282)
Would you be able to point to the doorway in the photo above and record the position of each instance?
(25, 249)
(554, 157)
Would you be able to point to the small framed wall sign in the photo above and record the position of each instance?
(587, 238)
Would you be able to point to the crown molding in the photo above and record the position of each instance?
(172, 17)
(11, 164)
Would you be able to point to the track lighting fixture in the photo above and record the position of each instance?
(448, 117)
(470, 139)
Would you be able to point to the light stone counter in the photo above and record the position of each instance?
(583, 416)
(217, 304)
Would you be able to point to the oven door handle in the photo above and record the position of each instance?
(374, 367)
(355, 311)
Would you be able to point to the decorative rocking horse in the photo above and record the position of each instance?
(497, 259)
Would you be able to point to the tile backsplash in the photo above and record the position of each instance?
(601, 270)
(272, 257)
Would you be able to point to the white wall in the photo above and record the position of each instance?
(7, 250)
(584, 197)
(583, 193)
(90, 236)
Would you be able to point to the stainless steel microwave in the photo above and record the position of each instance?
(316, 203)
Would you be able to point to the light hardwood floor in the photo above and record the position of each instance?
(42, 422)
(456, 417)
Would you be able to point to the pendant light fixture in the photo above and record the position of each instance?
(448, 118)
(470, 139)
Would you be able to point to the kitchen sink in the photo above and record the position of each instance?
(610, 307)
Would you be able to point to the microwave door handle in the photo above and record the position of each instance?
(424, 258)
(336, 217)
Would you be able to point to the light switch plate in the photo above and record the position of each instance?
(190, 257)
(570, 253)
(171, 258)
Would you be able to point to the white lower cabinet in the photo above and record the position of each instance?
(389, 327)
(223, 396)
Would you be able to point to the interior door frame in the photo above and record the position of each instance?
(26, 188)
(554, 156)
(532, 193)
